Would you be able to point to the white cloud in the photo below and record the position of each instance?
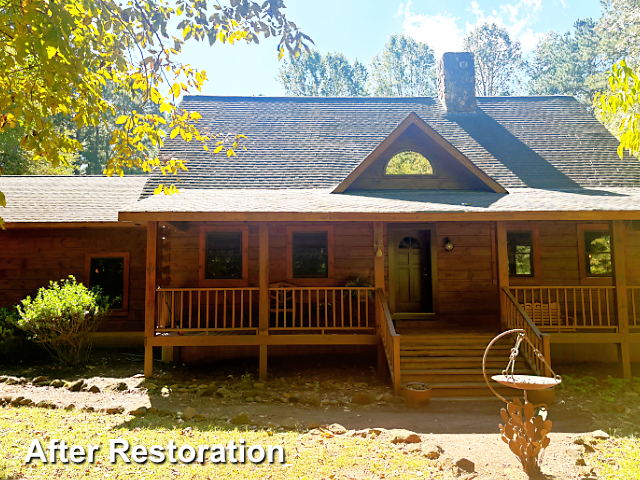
(443, 32)
(440, 31)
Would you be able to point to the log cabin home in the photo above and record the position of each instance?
(420, 227)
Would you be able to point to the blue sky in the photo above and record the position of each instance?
(360, 28)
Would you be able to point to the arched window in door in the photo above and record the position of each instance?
(410, 243)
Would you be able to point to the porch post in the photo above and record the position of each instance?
(620, 282)
(503, 269)
(150, 297)
(378, 282)
(263, 294)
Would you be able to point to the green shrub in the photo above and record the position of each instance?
(14, 342)
(62, 316)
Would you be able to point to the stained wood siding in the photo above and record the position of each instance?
(30, 258)
(179, 252)
(468, 290)
(633, 255)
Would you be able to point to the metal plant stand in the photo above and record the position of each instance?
(525, 429)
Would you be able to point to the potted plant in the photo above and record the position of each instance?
(416, 394)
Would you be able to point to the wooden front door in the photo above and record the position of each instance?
(413, 293)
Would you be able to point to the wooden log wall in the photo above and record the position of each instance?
(30, 258)
(179, 251)
(468, 287)
(632, 231)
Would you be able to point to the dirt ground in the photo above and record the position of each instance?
(319, 392)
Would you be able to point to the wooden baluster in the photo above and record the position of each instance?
(566, 307)
(207, 307)
(199, 299)
(599, 308)
(190, 306)
(590, 305)
(326, 309)
(182, 309)
(366, 308)
(633, 307)
(584, 309)
(341, 307)
(335, 323)
(241, 308)
(350, 312)
(608, 299)
(216, 311)
(549, 305)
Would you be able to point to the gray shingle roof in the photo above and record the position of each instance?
(315, 142)
(67, 198)
(391, 201)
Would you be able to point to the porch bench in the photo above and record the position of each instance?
(546, 317)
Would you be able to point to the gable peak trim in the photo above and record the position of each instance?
(414, 119)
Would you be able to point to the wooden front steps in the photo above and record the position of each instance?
(452, 363)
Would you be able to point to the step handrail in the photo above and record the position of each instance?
(521, 311)
(538, 350)
(390, 340)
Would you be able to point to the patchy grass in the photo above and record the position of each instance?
(618, 459)
(609, 389)
(307, 456)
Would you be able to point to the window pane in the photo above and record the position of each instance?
(108, 274)
(310, 255)
(408, 163)
(520, 253)
(597, 246)
(223, 256)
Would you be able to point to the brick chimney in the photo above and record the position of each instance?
(457, 82)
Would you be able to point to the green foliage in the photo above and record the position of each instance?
(14, 160)
(621, 106)
(62, 316)
(404, 68)
(498, 59)
(359, 282)
(62, 57)
(331, 75)
(570, 64)
(408, 163)
(15, 344)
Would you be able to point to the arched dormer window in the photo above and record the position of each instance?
(408, 163)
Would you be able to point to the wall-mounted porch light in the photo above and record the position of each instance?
(379, 250)
(448, 246)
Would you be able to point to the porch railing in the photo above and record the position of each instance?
(312, 308)
(517, 317)
(193, 310)
(390, 340)
(634, 306)
(182, 310)
(559, 309)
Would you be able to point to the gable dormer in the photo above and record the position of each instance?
(416, 157)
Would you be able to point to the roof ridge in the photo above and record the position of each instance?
(368, 98)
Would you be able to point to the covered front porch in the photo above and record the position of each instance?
(421, 298)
